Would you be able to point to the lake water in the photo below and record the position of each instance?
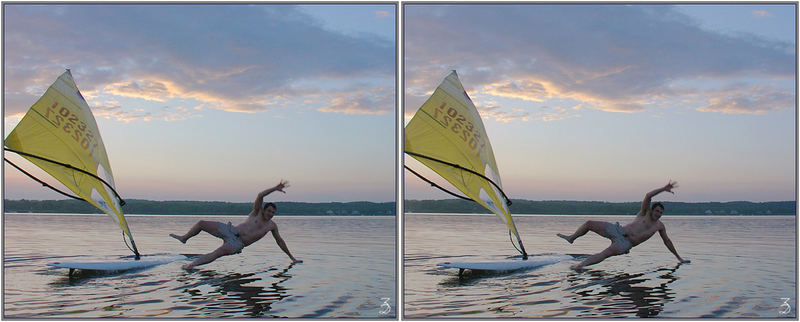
(349, 270)
(741, 267)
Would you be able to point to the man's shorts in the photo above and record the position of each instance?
(231, 236)
(619, 237)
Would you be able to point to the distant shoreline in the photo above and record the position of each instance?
(566, 207)
(445, 206)
(200, 208)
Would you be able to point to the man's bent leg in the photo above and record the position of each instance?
(599, 227)
(223, 250)
(612, 250)
(203, 225)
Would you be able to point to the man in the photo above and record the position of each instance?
(623, 239)
(259, 223)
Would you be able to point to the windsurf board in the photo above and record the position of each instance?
(123, 264)
(507, 265)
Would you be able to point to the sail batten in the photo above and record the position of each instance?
(447, 135)
(59, 134)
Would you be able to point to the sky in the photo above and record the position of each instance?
(606, 102)
(218, 102)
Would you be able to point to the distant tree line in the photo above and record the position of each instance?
(551, 207)
(563, 207)
(147, 207)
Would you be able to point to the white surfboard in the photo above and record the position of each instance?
(118, 265)
(507, 265)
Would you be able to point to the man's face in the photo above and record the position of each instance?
(269, 212)
(657, 212)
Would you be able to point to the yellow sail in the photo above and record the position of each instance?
(447, 135)
(59, 135)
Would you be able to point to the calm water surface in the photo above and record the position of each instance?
(348, 269)
(742, 267)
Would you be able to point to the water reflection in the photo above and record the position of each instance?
(472, 277)
(232, 295)
(78, 277)
(620, 294)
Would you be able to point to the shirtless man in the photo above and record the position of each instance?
(623, 239)
(259, 223)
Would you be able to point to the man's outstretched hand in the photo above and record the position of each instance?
(671, 185)
(283, 184)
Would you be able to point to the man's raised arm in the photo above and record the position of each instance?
(649, 196)
(258, 204)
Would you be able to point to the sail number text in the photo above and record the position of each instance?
(72, 125)
(458, 123)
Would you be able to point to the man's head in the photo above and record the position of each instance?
(269, 210)
(657, 210)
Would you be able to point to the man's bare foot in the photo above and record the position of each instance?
(178, 238)
(188, 267)
(565, 237)
(576, 267)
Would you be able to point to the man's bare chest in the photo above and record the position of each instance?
(253, 228)
(641, 229)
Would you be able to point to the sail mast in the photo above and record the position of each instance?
(136, 250)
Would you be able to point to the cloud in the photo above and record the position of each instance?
(550, 114)
(752, 100)
(761, 14)
(113, 110)
(491, 109)
(523, 89)
(575, 54)
(147, 90)
(11, 121)
(161, 89)
(369, 101)
(237, 58)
